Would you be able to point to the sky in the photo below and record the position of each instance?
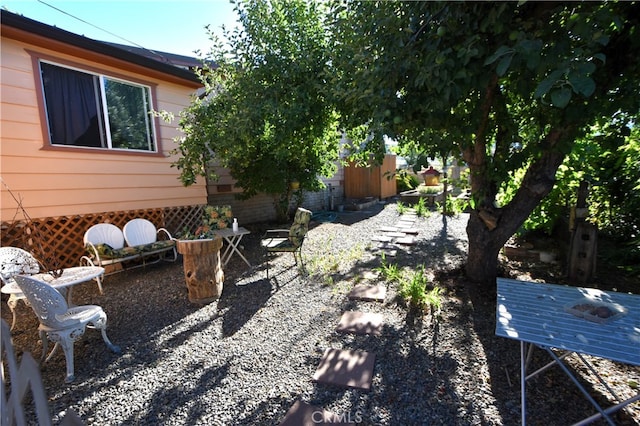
(173, 26)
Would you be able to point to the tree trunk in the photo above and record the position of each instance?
(484, 246)
(490, 227)
(202, 270)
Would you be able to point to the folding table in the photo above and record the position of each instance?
(233, 239)
(536, 315)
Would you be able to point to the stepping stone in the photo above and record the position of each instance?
(395, 234)
(406, 224)
(410, 230)
(382, 238)
(409, 241)
(389, 252)
(370, 275)
(303, 414)
(368, 292)
(360, 323)
(346, 368)
(388, 229)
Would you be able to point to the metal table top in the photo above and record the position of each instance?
(535, 313)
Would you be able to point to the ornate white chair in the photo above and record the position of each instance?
(60, 323)
(16, 261)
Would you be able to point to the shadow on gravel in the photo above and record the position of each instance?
(236, 309)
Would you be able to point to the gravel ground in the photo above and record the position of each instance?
(245, 359)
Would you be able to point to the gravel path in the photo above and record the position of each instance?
(245, 359)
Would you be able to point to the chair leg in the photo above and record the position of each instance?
(101, 324)
(302, 267)
(99, 281)
(111, 346)
(45, 346)
(67, 346)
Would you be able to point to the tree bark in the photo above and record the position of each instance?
(490, 227)
(202, 270)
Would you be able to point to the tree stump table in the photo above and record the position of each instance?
(202, 269)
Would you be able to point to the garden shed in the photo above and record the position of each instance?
(376, 181)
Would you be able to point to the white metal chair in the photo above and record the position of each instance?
(16, 261)
(101, 234)
(60, 323)
(142, 232)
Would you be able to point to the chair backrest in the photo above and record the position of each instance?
(47, 302)
(139, 231)
(15, 261)
(300, 226)
(104, 233)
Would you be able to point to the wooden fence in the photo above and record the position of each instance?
(58, 241)
(372, 181)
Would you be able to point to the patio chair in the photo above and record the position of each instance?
(16, 261)
(59, 322)
(143, 234)
(288, 240)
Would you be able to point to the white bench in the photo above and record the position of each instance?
(105, 245)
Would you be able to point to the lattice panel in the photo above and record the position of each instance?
(179, 219)
(57, 241)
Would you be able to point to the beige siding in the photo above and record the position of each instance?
(66, 182)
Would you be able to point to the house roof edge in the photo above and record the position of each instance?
(23, 23)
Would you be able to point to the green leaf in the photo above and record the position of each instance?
(583, 85)
(545, 85)
(560, 97)
(503, 65)
(502, 50)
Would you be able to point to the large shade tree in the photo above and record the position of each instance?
(505, 85)
(265, 115)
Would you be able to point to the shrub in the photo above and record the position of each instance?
(405, 181)
(402, 209)
(413, 290)
(421, 208)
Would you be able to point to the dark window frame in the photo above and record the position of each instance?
(38, 58)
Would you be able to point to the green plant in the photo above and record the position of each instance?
(389, 271)
(413, 290)
(454, 205)
(258, 118)
(421, 208)
(401, 207)
(430, 190)
(434, 300)
(520, 99)
(406, 181)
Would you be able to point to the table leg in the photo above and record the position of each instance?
(232, 247)
(579, 385)
(237, 251)
(523, 382)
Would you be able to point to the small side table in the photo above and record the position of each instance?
(233, 243)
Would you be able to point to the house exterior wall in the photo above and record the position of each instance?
(261, 207)
(67, 181)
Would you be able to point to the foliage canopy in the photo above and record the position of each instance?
(506, 86)
(265, 115)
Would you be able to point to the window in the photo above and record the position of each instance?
(90, 110)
